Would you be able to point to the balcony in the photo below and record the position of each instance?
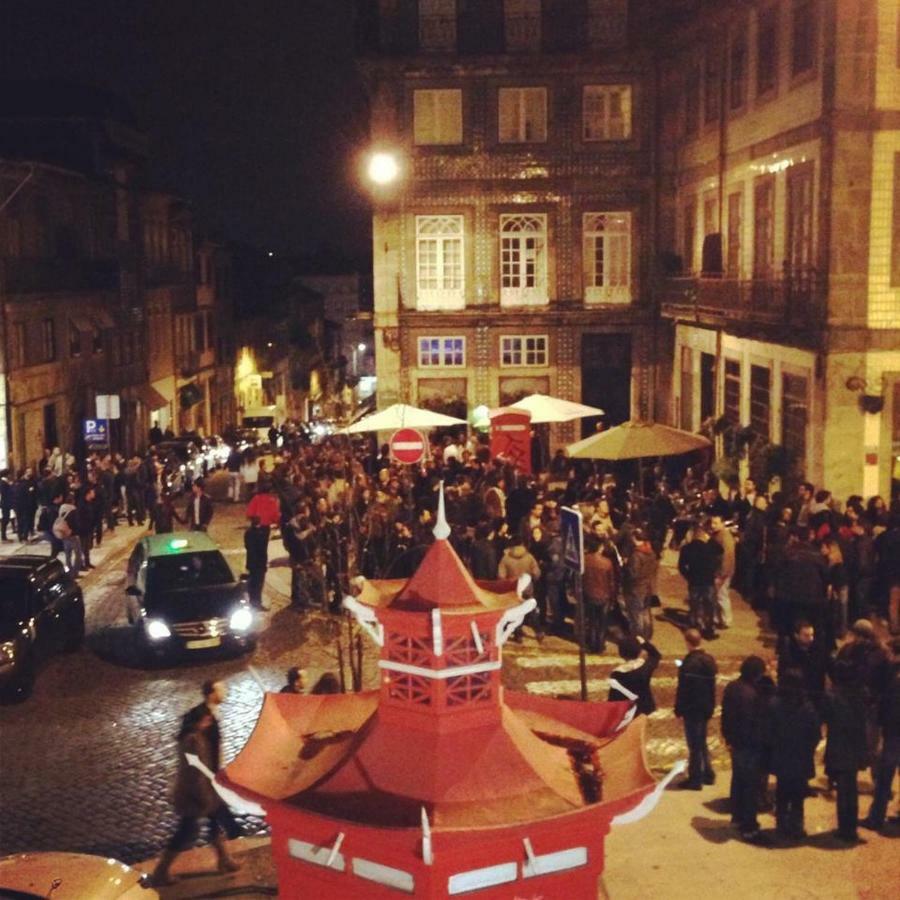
(792, 299)
(57, 276)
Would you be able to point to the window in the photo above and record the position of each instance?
(97, 341)
(48, 340)
(606, 112)
(711, 86)
(707, 386)
(803, 36)
(735, 226)
(439, 262)
(760, 400)
(688, 234)
(523, 260)
(692, 101)
(437, 24)
(607, 257)
(442, 351)
(794, 416)
(732, 399)
(523, 115)
(738, 75)
(895, 232)
(607, 23)
(74, 340)
(687, 388)
(523, 350)
(767, 50)
(437, 117)
(522, 24)
(710, 213)
(800, 219)
(763, 226)
(17, 355)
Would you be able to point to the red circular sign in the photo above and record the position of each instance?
(407, 445)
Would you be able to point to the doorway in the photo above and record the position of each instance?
(606, 378)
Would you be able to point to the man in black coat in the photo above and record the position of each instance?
(804, 653)
(743, 709)
(6, 503)
(695, 702)
(483, 558)
(199, 511)
(801, 586)
(256, 543)
(699, 563)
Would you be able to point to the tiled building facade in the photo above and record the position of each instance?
(512, 254)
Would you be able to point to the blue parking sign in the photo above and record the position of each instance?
(572, 539)
(96, 432)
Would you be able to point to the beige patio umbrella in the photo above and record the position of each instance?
(635, 440)
(401, 416)
(553, 409)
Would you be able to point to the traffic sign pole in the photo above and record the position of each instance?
(579, 626)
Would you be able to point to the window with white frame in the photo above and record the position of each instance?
(437, 24)
(442, 351)
(523, 260)
(606, 112)
(522, 24)
(437, 117)
(522, 115)
(439, 262)
(607, 257)
(523, 350)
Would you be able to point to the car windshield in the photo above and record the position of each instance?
(183, 571)
(13, 596)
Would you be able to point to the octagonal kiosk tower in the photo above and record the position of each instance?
(440, 783)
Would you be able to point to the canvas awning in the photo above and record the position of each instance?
(151, 397)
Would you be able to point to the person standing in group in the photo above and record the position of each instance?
(695, 702)
(195, 798)
(199, 510)
(631, 679)
(249, 473)
(792, 732)
(296, 681)
(699, 563)
(638, 579)
(24, 497)
(233, 465)
(256, 543)
(846, 747)
(743, 709)
(599, 589)
(724, 538)
(804, 653)
(6, 503)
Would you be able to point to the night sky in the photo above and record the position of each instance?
(253, 109)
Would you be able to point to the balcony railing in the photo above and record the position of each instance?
(32, 276)
(791, 299)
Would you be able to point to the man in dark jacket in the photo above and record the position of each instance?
(199, 511)
(801, 586)
(631, 679)
(24, 498)
(743, 709)
(699, 563)
(483, 558)
(599, 589)
(256, 543)
(802, 652)
(695, 702)
(638, 578)
(845, 750)
(6, 503)
(889, 759)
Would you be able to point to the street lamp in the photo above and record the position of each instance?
(383, 167)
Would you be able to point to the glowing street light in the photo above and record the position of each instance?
(383, 168)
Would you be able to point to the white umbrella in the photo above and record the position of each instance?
(554, 409)
(402, 416)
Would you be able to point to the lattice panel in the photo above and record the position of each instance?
(414, 652)
(468, 689)
(410, 689)
(461, 651)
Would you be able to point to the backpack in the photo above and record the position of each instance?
(61, 528)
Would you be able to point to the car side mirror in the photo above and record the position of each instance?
(133, 591)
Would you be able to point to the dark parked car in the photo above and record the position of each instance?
(182, 598)
(41, 613)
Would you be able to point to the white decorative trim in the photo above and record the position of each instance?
(475, 879)
(427, 854)
(386, 875)
(319, 856)
(615, 685)
(229, 797)
(648, 804)
(439, 674)
(334, 850)
(522, 584)
(366, 619)
(512, 619)
(476, 636)
(529, 850)
(627, 718)
(548, 863)
(441, 530)
(437, 632)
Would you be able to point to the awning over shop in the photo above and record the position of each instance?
(189, 395)
(151, 397)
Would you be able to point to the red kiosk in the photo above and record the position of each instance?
(441, 783)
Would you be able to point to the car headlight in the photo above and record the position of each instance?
(241, 619)
(157, 629)
(7, 653)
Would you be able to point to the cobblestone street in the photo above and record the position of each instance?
(88, 761)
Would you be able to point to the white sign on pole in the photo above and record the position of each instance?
(108, 406)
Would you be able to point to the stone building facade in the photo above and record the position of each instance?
(513, 252)
(779, 156)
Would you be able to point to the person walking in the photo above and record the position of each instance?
(742, 728)
(631, 679)
(695, 702)
(792, 732)
(845, 749)
(199, 511)
(256, 544)
(599, 589)
(195, 798)
(699, 562)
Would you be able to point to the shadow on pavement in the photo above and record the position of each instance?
(720, 805)
(713, 830)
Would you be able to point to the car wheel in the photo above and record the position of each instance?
(76, 638)
(20, 688)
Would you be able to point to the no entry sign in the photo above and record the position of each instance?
(407, 445)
